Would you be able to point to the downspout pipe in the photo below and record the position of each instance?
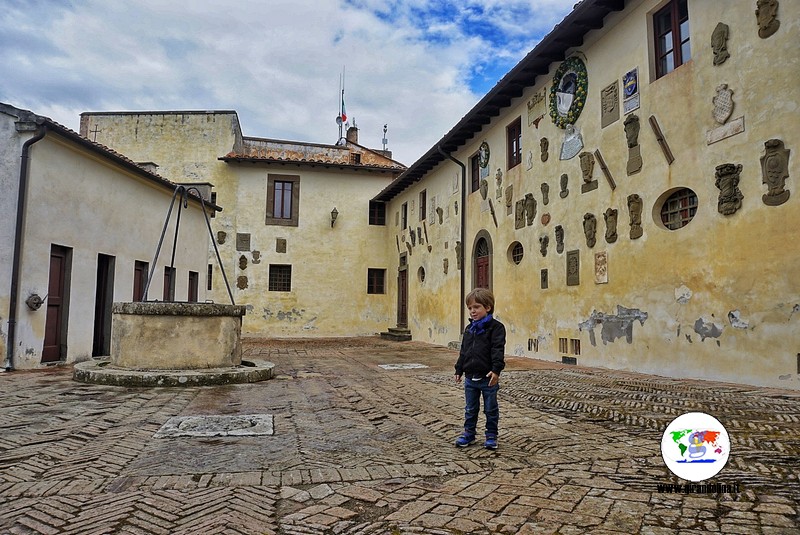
(461, 306)
(18, 238)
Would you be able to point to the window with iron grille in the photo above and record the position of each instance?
(679, 209)
(575, 346)
(355, 158)
(423, 204)
(517, 252)
(671, 34)
(376, 281)
(377, 213)
(280, 278)
(514, 143)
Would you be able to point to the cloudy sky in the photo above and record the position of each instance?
(416, 65)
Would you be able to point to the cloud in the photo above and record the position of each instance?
(416, 65)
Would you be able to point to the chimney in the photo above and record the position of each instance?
(352, 134)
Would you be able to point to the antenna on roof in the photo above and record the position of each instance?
(385, 141)
(341, 119)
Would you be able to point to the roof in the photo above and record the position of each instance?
(276, 151)
(120, 159)
(586, 16)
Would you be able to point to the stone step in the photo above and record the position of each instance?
(397, 334)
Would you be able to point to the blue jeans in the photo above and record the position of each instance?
(473, 390)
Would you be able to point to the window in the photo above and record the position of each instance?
(679, 209)
(475, 165)
(355, 158)
(404, 216)
(194, 281)
(516, 252)
(213, 201)
(423, 204)
(377, 213)
(514, 143)
(671, 33)
(209, 277)
(280, 278)
(283, 200)
(139, 279)
(421, 274)
(376, 281)
(169, 283)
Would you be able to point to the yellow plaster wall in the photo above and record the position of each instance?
(718, 265)
(329, 264)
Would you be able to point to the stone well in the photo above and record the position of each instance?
(176, 336)
(174, 344)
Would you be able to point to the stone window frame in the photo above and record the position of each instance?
(280, 278)
(295, 208)
(475, 172)
(677, 13)
(514, 142)
(376, 281)
(516, 252)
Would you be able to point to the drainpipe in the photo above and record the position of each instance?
(463, 231)
(18, 235)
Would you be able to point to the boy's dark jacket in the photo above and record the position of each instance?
(482, 353)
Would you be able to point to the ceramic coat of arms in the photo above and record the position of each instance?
(568, 92)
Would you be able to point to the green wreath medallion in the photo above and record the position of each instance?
(568, 92)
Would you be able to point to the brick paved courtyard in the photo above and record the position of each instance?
(361, 449)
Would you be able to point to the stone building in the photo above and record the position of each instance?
(628, 191)
(303, 247)
(81, 228)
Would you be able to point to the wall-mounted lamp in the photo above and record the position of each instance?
(334, 215)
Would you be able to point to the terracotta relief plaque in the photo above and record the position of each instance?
(635, 210)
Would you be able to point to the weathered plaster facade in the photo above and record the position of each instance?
(716, 299)
(329, 263)
(91, 202)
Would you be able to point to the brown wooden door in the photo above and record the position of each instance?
(55, 325)
(104, 297)
(139, 279)
(402, 298)
(482, 272)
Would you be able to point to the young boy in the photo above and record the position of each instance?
(481, 360)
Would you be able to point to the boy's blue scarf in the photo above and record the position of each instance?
(479, 327)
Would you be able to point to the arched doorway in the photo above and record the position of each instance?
(482, 261)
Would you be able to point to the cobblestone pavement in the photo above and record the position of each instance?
(358, 449)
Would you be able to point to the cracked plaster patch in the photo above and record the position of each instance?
(217, 426)
(401, 366)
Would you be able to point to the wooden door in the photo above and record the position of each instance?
(55, 347)
(482, 272)
(139, 279)
(104, 297)
(402, 298)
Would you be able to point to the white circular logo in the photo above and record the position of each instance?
(695, 446)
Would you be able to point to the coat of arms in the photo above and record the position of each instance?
(723, 104)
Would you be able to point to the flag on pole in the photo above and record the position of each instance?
(344, 113)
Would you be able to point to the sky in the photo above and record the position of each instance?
(417, 66)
